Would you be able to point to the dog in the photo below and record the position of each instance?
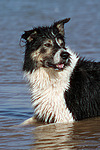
(64, 86)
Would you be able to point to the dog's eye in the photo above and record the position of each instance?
(47, 45)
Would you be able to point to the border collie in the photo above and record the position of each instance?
(64, 87)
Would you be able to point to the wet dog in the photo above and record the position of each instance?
(64, 86)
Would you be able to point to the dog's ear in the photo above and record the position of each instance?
(60, 25)
(29, 35)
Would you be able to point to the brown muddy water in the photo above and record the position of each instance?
(82, 35)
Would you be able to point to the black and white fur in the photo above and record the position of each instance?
(64, 86)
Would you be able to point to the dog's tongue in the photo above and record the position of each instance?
(61, 66)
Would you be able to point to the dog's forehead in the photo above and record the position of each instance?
(47, 32)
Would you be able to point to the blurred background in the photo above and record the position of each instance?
(82, 35)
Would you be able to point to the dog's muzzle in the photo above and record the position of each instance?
(59, 61)
(61, 56)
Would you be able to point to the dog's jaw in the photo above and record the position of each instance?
(47, 87)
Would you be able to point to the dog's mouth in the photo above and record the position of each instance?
(59, 66)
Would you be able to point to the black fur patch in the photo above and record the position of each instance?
(83, 96)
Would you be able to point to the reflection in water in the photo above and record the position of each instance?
(79, 135)
(53, 136)
(83, 134)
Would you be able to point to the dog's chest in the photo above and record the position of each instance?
(48, 97)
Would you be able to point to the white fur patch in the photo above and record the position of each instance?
(47, 87)
(57, 56)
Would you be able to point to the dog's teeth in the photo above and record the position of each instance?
(60, 66)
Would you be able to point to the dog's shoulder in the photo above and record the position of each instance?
(87, 69)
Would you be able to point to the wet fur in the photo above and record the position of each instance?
(64, 86)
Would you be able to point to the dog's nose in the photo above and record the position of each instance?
(64, 55)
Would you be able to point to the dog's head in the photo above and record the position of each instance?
(45, 47)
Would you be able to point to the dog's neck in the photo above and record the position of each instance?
(47, 88)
